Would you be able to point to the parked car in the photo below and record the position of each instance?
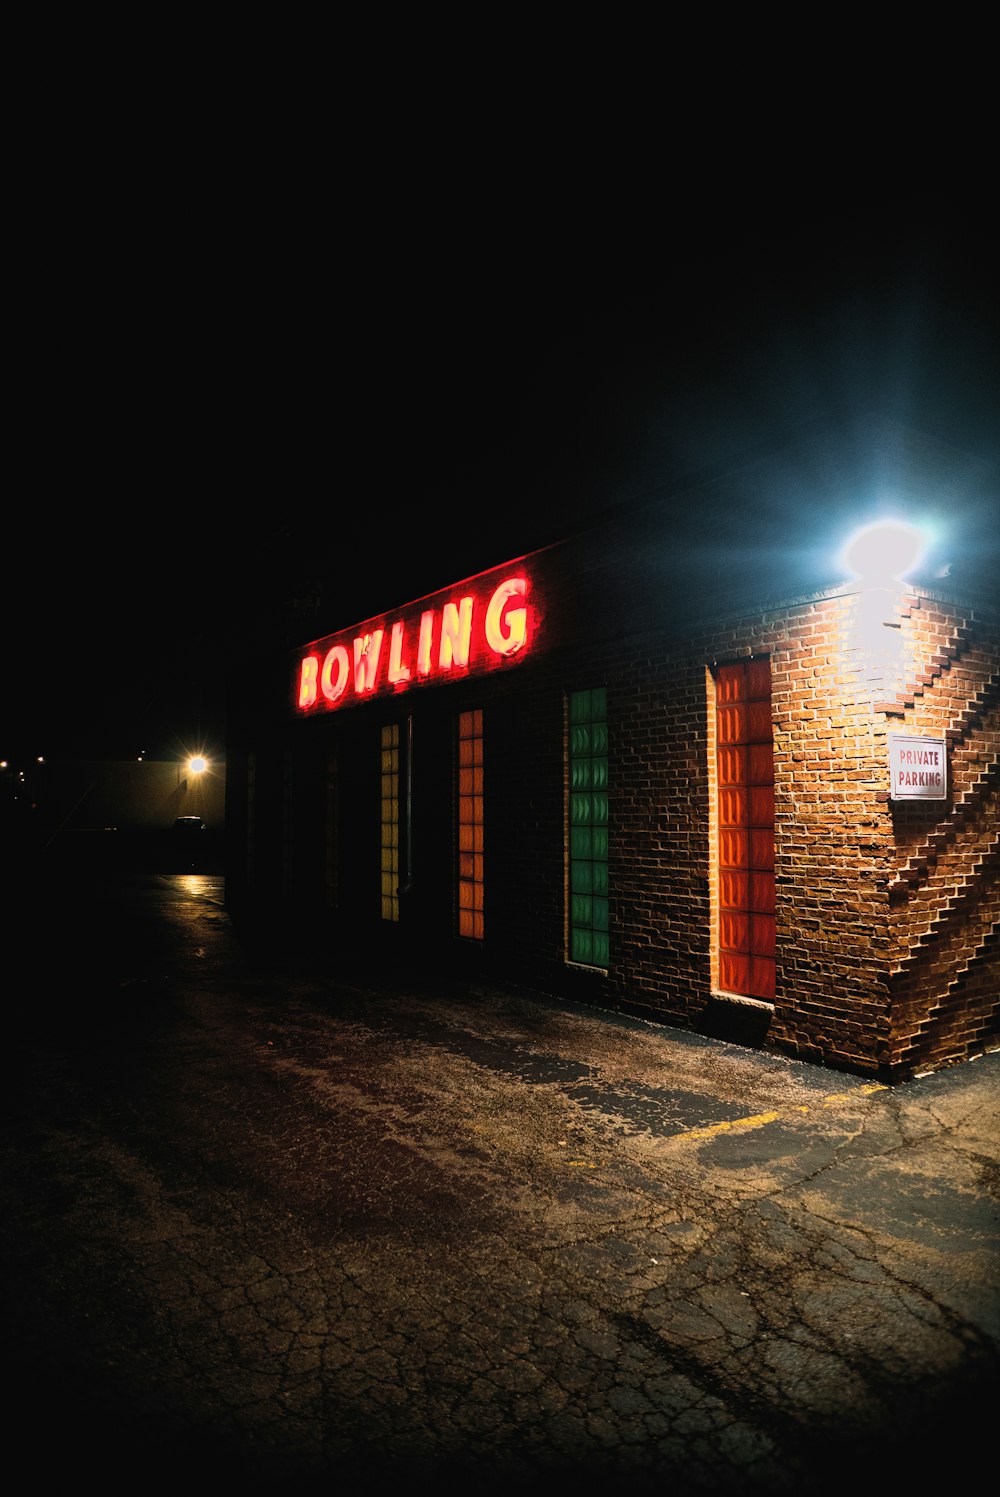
(189, 824)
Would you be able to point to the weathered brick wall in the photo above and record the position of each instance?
(872, 976)
(658, 842)
(833, 842)
(945, 892)
(833, 837)
(886, 915)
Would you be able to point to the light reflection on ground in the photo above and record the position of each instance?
(201, 885)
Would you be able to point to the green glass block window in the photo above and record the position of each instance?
(389, 821)
(588, 827)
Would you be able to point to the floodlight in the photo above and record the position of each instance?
(884, 551)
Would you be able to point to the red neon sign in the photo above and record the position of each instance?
(461, 631)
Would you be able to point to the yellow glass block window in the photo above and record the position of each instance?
(389, 821)
(470, 825)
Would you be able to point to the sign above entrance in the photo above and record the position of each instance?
(918, 767)
(473, 627)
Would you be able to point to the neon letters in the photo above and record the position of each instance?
(491, 623)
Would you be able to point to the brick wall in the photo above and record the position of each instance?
(886, 913)
(944, 894)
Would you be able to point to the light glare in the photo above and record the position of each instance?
(885, 550)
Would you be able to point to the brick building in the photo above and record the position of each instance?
(660, 789)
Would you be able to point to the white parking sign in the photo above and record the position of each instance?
(918, 767)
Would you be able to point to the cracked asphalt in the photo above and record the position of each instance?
(278, 1223)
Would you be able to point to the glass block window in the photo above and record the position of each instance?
(389, 821)
(470, 825)
(745, 760)
(588, 827)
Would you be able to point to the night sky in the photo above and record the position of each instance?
(218, 406)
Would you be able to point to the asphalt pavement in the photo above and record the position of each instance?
(286, 1223)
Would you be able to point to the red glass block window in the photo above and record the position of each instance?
(745, 762)
(470, 825)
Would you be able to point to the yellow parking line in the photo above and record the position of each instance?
(761, 1119)
(758, 1120)
(742, 1124)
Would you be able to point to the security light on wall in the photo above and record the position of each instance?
(884, 551)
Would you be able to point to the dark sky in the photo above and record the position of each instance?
(388, 390)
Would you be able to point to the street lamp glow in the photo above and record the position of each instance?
(884, 551)
(198, 764)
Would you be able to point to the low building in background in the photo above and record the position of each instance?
(115, 811)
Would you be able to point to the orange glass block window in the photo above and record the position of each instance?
(745, 762)
(470, 825)
(389, 821)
